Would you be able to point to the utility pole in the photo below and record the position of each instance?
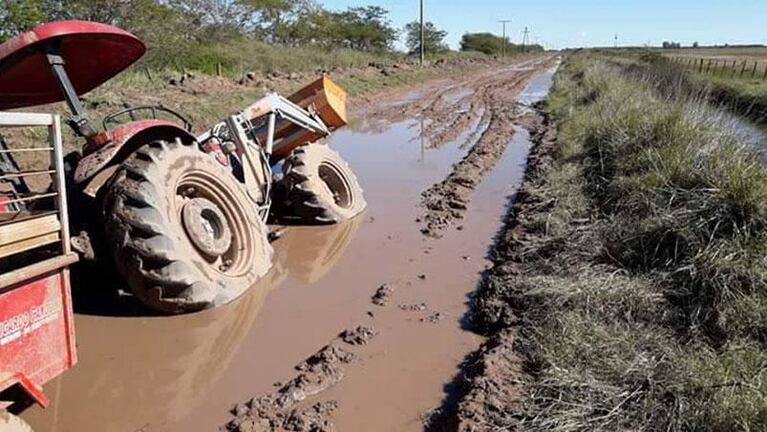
(616, 40)
(503, 46)
(525, 39)
(423, 48)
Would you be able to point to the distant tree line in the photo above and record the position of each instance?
(671, 44)
(192, 33)
(177, 28)
(491, 44)
(289, 22)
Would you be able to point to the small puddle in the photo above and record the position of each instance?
(184, 373)
(538, 87)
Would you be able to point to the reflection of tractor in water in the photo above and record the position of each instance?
(183, 215)
(176, 361)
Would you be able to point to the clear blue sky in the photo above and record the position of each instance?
(578, 23)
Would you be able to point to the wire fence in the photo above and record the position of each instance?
(753, 69)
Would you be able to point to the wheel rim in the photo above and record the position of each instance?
(337, 184)
(222, 214)
(206, 227)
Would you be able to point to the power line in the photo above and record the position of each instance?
(503, 47)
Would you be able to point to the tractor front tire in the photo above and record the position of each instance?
(319, 187)
(184, 233)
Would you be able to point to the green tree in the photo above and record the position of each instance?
(433, 38)
(487, 43)
(364, 28)
(17, 16)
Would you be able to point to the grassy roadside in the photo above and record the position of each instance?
(632, 272)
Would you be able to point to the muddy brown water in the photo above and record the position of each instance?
(184, 373)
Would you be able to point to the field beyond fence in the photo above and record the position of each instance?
(732, 68)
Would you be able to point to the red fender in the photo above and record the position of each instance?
(124, 140)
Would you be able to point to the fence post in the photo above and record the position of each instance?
(734, 69)
(764, 78)
(700, 68)
(708, 66)
(753, 72)
(743, 69)
(148, 73)
(218, 69)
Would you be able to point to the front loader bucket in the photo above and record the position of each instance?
(328, 99)
(323, 96)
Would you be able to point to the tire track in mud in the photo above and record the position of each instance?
(495, 113)
(447, 110)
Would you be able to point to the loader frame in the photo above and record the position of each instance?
(243, 133)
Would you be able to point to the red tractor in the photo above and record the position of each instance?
(184, 215)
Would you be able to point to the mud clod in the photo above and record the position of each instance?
(359, 336)
(312, 419)
(434, 318)
(383, 295)
(413, 307)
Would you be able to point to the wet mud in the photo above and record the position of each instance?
(493, 382)
(280, 411)
(309, 347)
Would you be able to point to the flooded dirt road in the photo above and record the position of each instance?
(186, 373)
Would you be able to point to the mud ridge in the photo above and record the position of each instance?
(492, 380)
(446, 201)
(285, 409)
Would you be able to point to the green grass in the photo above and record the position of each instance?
(732, 53)
(743, 89)
(239, 55)
(643, 284)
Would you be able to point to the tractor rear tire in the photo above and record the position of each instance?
(184, 233)
(319, 187)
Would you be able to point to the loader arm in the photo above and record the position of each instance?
(273, 122)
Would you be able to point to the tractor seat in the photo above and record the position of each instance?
(93, 54)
